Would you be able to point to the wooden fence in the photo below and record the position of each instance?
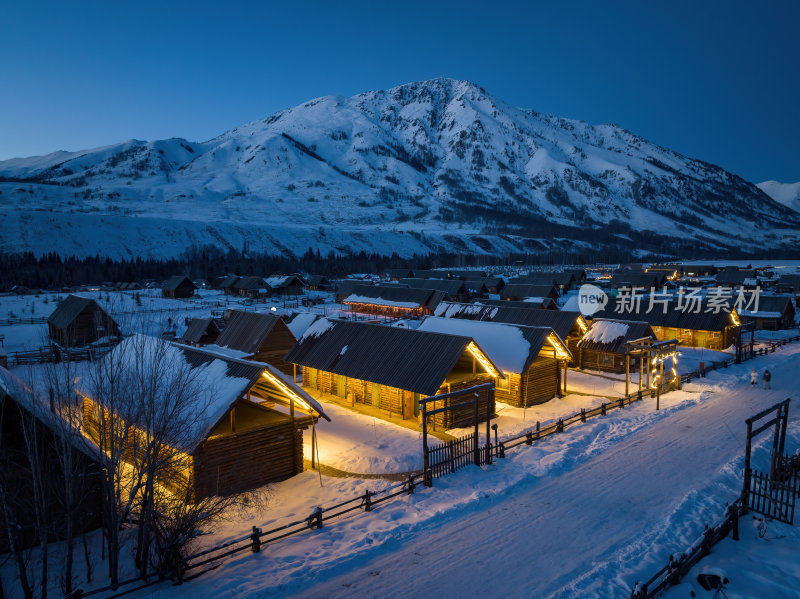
(450, 456)
(774, 498)
(8, 322)
(47, 354)
(677, 568)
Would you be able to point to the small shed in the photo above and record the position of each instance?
(178, 287)
(245, 428)
(259, 337)
(603, 345)
(201, 331)
(392, 368)
(80, 321)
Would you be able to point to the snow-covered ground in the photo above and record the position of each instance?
(583, 514)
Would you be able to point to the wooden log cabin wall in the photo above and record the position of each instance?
(389, 368)
(238, 441)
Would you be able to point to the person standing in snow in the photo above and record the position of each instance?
(754, 377)
(767, 377)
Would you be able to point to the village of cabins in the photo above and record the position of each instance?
(286, 347)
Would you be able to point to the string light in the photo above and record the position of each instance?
(481, 358)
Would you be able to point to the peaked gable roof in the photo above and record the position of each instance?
(199, 328)
(247, 331)
(69, 308)
(511, 347)
(448, 286)
(562, 322)
(609, 335)
(397, 357)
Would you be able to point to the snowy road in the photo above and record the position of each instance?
(572, 535)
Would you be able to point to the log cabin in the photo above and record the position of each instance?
(523, 291)
(178, 287)
(244, 430)
(603, 346)
(454, 289)
(201, 331)
(532, 359)
(630, 279)
(774, 313)
(788, 283)
(570, 326)
(466, 274)
(345, 287)
(492, 285)
(286, 284)
(252, 287)
(737, 278)
(80, 321)
(698, 270)
(24, 411)
(395, 274)
(393, 301)
(318, 283)
(533, 303)
(228, 284)
(259, 337)
(390, 369)
(709, 329)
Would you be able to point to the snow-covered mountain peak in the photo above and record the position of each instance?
(443, 160)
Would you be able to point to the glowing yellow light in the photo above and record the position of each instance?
(735, 318)
(287, 390)
(582, 324)
(561, 350)
(482, 360)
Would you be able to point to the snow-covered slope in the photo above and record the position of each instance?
(787, 194)
(428, 166)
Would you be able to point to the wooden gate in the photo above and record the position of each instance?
(452, 455)
(772, 497)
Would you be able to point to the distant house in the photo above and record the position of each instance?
(788, 284)
(252, 287)
(737, 278)
(201, 331)
(453, 289)
(775, 312)
(698, 270)
(392, 368)
(300, 321)
(23, 411)
(532, 359)
(523, 291)
(80, 321)
(318, 283)
(286, 284)
(533, 303)
(466, 274)
(395, 274)
(711, 329)
(259, 337)
(490, 284)
(228, 285)
(236, 439)
(345, 287)
(393, 301)
(630, 279)
(431, 274)
(603, 346)
(178, 287)
(565, 281)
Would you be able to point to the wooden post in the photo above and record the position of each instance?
(294, 373)
(746, 485)
(477, 454)
(627, 372)
(233, 419)
(489, 395)
(425, 477)
(565, 376)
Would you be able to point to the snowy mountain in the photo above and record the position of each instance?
(787, 194)
(438, 165)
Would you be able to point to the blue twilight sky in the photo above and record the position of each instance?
(714, 80)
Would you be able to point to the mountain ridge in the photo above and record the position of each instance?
(437, 165)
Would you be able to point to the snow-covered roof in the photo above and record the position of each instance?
(606, 331)
(210, 382)
(610, 335)
(300, 322)
(375, 301)
(511, 347)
